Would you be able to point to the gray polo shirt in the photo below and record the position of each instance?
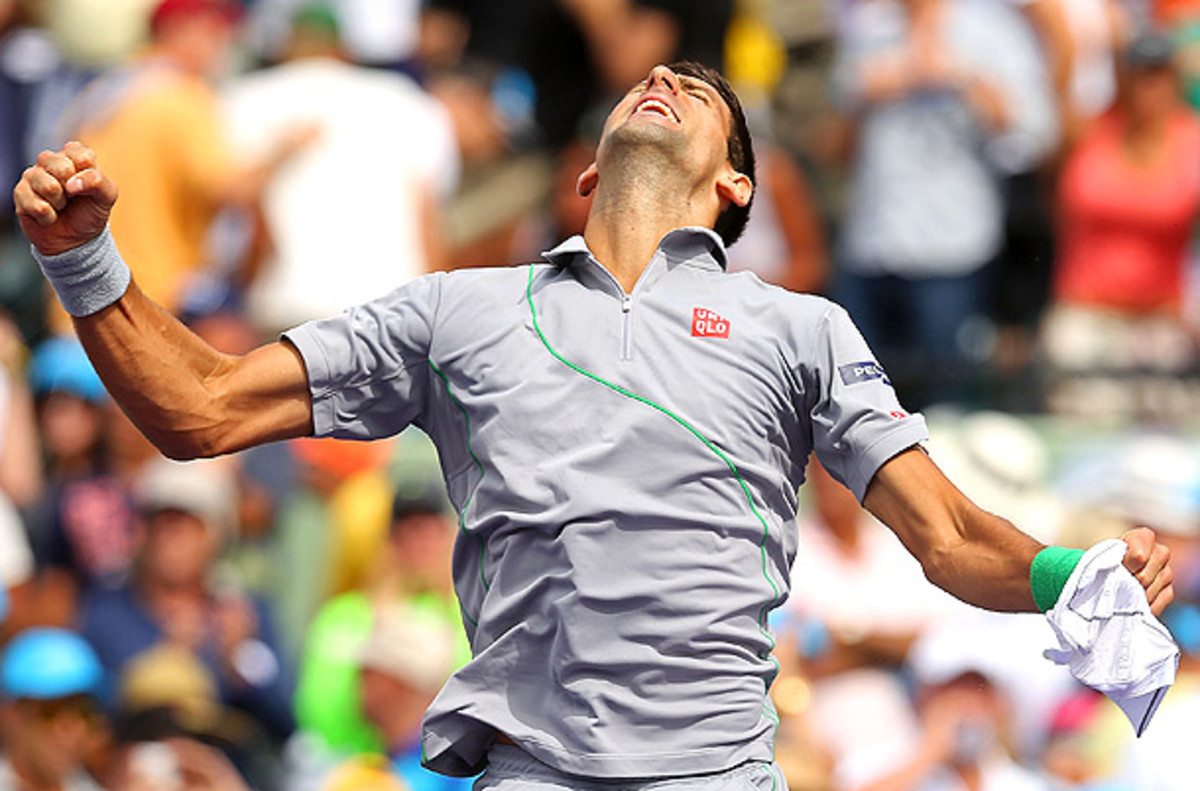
(625, 468)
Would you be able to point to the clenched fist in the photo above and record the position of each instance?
(64, 200)
(1150, 562)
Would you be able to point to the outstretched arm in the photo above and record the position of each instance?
(186, 397)
(977, 556)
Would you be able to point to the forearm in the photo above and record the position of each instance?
(156, 369)
(186, 397)
(987, 102)
(988, 565)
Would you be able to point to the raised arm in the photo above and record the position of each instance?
(977, 556)
(187, 398)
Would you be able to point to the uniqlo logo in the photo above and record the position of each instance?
(706, 324)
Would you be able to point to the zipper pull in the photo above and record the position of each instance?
(626, 303)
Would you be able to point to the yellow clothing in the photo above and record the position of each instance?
(163, 143)
(363, 773)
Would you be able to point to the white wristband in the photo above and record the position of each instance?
(87, 278)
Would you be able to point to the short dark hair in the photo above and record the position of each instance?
(731, 222)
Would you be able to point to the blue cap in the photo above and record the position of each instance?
(45, 663)
(61, 365)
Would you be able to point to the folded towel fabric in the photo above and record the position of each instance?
(1108, 637)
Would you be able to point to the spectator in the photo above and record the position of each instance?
(330, 529)
(855, 582)
(403, 665)
(379, 35)
(784, 241)
(1162, 759)
(1073, 757)
(554, 67)
(574, 54)
(966, 739)
(157, 120)
(18, 607)
(414, 574)
(1129, 198)
(83, 526)
(946, 97)
(188, 512)
(1002, 462)
(168, 700)
(21, 474)
(858, 603)
(178, 764)
(49, 683)
(1153, 479)
(351, 107)
(365, 773)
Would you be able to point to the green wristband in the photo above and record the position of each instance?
(1049, 572)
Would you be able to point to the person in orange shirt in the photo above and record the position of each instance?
(158, 122)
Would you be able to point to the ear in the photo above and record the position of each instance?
(735, 187)
(588, 179)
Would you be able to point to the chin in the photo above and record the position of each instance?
(647, 136)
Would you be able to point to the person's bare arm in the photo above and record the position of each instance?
(977, 556)
(187, 398)
(800, 222)
(625, 40)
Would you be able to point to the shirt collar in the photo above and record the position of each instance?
(695, 244)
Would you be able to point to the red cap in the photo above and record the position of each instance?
(167, 10)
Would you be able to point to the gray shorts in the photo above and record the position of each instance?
(512, 769)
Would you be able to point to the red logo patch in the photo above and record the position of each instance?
(706, 324)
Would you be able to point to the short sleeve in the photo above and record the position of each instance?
(857, 421)
(368, 367)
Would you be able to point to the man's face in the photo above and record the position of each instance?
(50, 736)
(681, 116)
(422, 545)
(180, 547)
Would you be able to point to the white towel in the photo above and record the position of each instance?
(1109, 638)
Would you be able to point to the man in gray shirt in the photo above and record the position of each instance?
(622, 429)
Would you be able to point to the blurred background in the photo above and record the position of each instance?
(1005, 195)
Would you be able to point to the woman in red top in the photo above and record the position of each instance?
(1129, 198)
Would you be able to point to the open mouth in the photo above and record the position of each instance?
(656, 106)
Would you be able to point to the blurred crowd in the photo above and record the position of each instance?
(1003, 193)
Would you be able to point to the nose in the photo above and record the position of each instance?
(662, 77)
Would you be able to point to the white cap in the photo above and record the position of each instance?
(417, 650)
(956, 647)
(204, 488)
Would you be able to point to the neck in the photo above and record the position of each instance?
(639, 200)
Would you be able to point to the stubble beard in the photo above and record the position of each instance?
(648, 158)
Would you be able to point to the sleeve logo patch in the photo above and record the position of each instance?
(856, 373)
(707, 324)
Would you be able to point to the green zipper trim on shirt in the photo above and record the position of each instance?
(762, 613)
(462, 525)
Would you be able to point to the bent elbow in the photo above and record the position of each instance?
(186, 445)
(177, 451)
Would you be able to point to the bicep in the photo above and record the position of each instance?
(979, 557)
(265, 396)
(918, 502)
